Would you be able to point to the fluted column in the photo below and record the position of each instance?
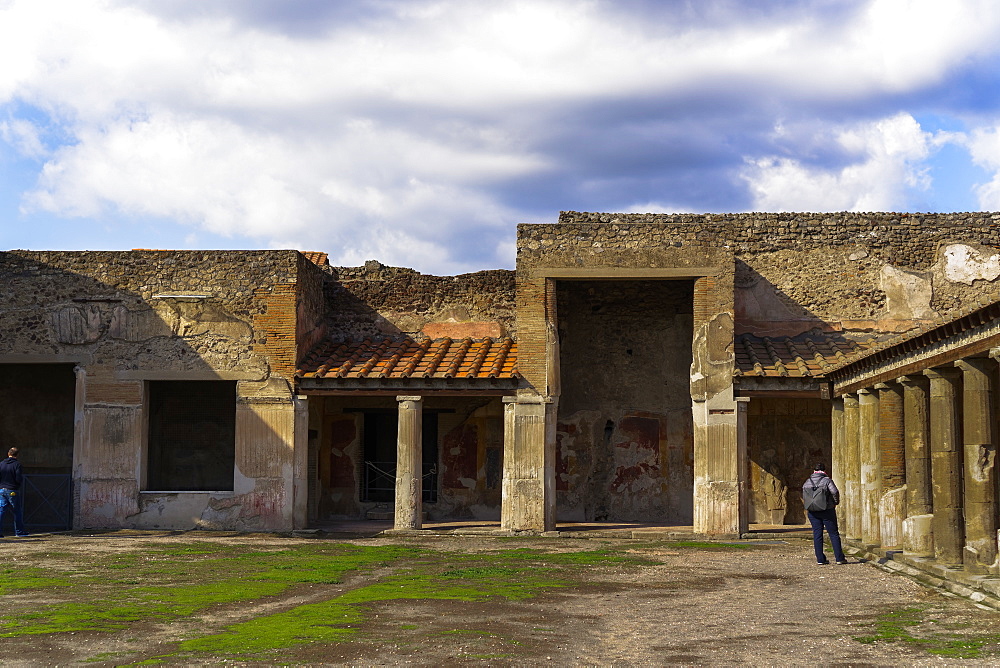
(409, 464)
(892, 475)
(946, 466)
(918, 535)
(868, 450)
(851, 494)
(979, 446)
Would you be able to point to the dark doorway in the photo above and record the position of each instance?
(192, 436)
(37, 408)
(381, 431)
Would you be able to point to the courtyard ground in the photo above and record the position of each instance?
(126, 598)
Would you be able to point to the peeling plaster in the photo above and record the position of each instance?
(908, 293)
(966, 264)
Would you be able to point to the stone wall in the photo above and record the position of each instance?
(377, 301)
(866, 274)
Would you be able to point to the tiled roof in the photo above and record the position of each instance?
(317, 257)
(407, 358)
(809, 355)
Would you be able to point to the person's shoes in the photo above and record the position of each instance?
(843, 562)
(822, 563)
(22, 535)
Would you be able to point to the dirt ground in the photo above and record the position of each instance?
(769, 605)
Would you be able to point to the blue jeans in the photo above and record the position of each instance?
(826, 519)
(10, 498)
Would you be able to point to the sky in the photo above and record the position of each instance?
(421, 132)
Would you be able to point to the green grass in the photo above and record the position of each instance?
(902, 626)
(163, 584)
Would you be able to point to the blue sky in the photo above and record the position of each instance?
(419, 133)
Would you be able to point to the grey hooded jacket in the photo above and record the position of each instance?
(820, 479)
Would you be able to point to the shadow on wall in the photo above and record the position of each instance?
(97, 311)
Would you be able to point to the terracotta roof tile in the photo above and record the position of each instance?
(317, 257)
(407, 358)
(809, 355)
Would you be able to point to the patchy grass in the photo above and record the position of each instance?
(166, 583)
(914, 626)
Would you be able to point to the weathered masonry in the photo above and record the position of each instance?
(664, 369)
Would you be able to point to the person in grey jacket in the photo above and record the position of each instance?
(825, 519)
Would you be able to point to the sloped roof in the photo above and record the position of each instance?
(317, 257)
(810, 355)
(406, 358)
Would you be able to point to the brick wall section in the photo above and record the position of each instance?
(277, 327)
(891, 450)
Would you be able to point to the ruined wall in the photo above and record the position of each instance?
(469, 463)
(866, 274)
(128, 318)
(377, 301)
(625, 449)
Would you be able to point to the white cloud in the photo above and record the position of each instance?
(984, 146)
(415, 119)
(887, 160)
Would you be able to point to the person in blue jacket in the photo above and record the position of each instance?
(11, 479)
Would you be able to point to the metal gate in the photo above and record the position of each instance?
(47, 504)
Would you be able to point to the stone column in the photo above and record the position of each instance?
(918, 534)
(851, 492)
(979, 444)
(528, 495)
(946, 466)
(892, 500)
(409, 464)
(871, 483)
(837, 445)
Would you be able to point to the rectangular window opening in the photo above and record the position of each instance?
(192, 436)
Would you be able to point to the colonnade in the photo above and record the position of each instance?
(915, 460)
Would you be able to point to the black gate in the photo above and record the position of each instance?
(47, 504)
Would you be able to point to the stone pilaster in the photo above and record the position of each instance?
(851, 493)
(918, 534)
(979, 444)
(871, 478)
(946, 465)
(409, 464)
(837, 441)
(528, 501)
(892, 474)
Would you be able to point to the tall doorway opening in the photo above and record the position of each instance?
(37, 408)
(625, 435)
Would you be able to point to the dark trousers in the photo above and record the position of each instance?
(826, 519)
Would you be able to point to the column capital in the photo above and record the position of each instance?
(975, 364)
(866, 391)
(995, 353)
(408, 398)
(888, 385)
(941, 373)
(914, 380)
